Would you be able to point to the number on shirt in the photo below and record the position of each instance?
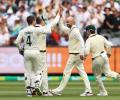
(28, 40)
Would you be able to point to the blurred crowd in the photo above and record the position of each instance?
(104, 14)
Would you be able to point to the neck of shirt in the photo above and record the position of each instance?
(91, 35)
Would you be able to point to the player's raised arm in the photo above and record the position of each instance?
(47, 28)
(43, 29)
(55, 21)
(63, 28)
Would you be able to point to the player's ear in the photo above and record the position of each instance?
(34, 22)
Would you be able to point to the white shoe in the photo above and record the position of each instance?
(102, 94)
(47, 94)
(29, 93)
(118, 76)
(38, 91)
(86, 94)
(37, 88)
(55, 93)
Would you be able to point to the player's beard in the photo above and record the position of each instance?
(69, 26)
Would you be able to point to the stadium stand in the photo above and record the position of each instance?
(104, 14)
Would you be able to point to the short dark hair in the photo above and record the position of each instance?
(38, 20)
(30, 19)
(91, 29)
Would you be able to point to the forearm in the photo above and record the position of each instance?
(109, 25)
(55, 21)
(63, 28)
(56, 6)
(109, 50)
(43, 30)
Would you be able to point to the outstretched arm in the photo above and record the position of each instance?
(55, 21)
(63, 28)
(108, 47)
(47, 28)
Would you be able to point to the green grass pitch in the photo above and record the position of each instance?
(15, 91)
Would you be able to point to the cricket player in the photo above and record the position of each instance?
(29, 35)
(100, 48)
(41, 21)
(76, 55)
(42, 44)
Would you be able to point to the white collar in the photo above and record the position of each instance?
(38, 25)
(91, 35)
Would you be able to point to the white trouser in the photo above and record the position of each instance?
(45, 72)
(100, 65)
(98, 70)
(106, 67)
(73, 61)
(32, 66)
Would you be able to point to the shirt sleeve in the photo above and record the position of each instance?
(19, 38)
(108, 45)
(55, 21)
(47, 28)
(87, 47)
(63, 28)
(43, 29)
(78, 36)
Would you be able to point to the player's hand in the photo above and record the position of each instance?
(60, 11)
(108, 55)
(82, 57)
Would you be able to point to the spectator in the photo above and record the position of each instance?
(54, 37)
(79, 16)
(115, 23)
(108, 17)
(4, 34)
(100, 17)
(49, 12)
(97, 18)
(22, 13)
(2, 9)
(11, 5)
(11, 19)
(22, 2)
(64, 40)
(104, 14)
(67, 11)
(86, 15)
(113, 5)
(17, 28)
(38, 6)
